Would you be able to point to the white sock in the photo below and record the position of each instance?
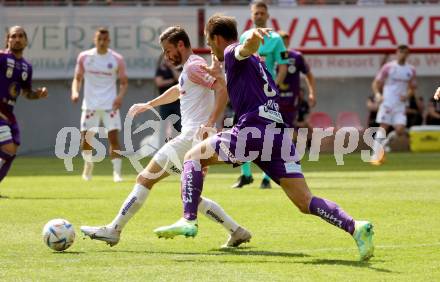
(88, 164)
(215, 212)
(132, 204)
(378, 147)
(117, 165)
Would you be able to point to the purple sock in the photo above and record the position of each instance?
(5, 164)
(331, 213)
(191, 189)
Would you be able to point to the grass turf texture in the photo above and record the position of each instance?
(401, 198)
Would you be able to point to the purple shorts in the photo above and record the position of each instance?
(9, 133)
(258, 140)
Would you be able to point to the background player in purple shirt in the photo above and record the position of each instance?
(253, 97)
(15, 80)
(289, 97)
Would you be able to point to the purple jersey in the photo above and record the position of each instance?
(250, 86)
(296, 66)
(15, 75)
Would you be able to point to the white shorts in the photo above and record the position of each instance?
(390, 116)
(110, 119)
(170, 157)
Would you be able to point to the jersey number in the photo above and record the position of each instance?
(268, 91)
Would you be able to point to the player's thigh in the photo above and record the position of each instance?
(7, 143)
(170, 157)
(9, 148)
(384, 115)
(205, 151)
(399, 121)
(89, 119)
(111, 120)
(298, 192)
(400, 129)
(86, 139)
(113, 137)
(152, 174)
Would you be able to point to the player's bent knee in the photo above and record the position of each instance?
(144, 181)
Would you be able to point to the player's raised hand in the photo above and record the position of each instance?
(259, 33)
(437, 94)
(41, 92)
(215, 69)
(139, 108)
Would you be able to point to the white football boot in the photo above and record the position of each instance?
(237, 238)
(107, 234)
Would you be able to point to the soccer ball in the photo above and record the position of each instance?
(58, 234)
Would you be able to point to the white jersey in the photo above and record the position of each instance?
(396, 80)
(100, 75)
(196, 97)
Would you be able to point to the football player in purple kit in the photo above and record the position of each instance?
(289, 97)
(253, 95)
(15, 80)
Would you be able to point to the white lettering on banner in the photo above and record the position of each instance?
(56, 35)
(354, 27)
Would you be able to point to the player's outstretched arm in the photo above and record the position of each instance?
(437, 94)
(38, 93)
(169, 96)
(252, 43)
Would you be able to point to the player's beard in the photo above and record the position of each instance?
(16, 48)
(177, 59)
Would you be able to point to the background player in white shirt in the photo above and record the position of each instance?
(100, 68)
(199, 107)
(393, 85)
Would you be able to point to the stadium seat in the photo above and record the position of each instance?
(348, 119)
(320, 120)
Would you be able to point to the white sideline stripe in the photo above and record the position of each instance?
(376, 247)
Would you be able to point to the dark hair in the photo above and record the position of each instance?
(222, 25)
(101, 30)
(402, 47)
(9, 34)
(259, 4)
(174, 34)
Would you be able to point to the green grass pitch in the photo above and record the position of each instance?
(401, 198)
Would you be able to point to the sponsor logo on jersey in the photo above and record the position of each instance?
(24, 75)
(13, 91)
(109, 65)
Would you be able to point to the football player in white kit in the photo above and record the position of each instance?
(199, 107)
(100, 68)
(392, 86)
